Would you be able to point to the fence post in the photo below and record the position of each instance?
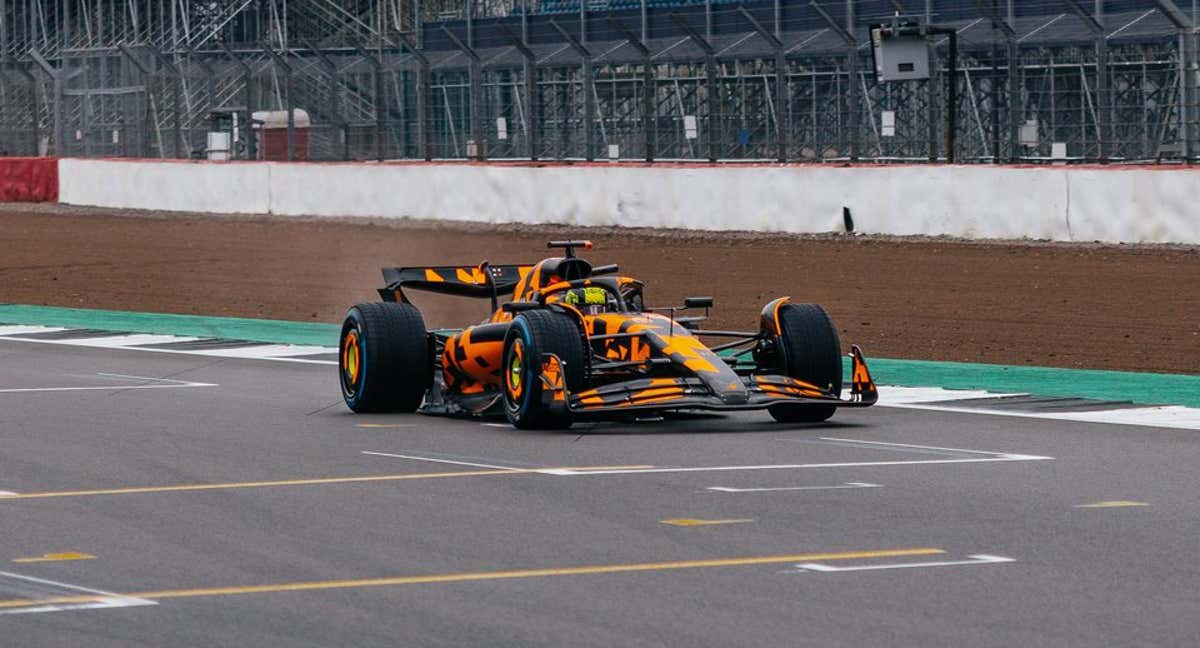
(176, 101)
(423, 94)
(34, 104)
(851, 68)
(335, 92)
(56, 77)
(282, 64)
(780, 82)
(710, 81)
(648, 88)
(473, 74)
(589, 99)
(1187, 72)
(248, 91)
(529, 69)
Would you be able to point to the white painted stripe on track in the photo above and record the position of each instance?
(444, 461)
(892, 396)
(866, 442)
(111, 600)
(21, 330)
(28, 390)
(918, 398)
(935, 399)
(122, 340)
(977, 559)
(273, 352)
(567, 472)
(846, 486)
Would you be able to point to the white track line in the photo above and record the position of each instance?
(927, 398)
(26, 390)
(847, 485)
(248, 353)
(122, 340)
(847, 464)
(445, 461)
(110, 600)
(156, 383)
(21, 330)
(866, 442)
(272, 351)
(977, 559)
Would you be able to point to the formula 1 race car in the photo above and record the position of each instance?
(576, 341)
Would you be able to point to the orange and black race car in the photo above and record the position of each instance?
(568, 341)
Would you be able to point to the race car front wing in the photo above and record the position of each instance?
(676, 393)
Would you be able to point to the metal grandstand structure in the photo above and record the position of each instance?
(1038, 80)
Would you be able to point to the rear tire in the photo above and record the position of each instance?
(810, 351)
(384, 358)
(531, 334)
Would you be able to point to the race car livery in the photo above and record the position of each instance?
(567, 341)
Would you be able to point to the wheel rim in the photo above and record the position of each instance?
(351, 361)
(513, 378)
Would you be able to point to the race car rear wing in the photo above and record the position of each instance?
(482, 282)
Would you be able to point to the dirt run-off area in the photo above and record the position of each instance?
(1128, 307)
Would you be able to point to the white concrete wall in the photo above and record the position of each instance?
(173, 186)
(1058, 203)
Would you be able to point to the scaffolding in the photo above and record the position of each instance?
(782, 80)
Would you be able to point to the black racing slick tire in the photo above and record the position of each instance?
(384, 358)
(810, 351)
(531, 334)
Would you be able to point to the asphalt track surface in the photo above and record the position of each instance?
(222, 504)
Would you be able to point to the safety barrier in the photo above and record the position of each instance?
(25, 179)
(1111, 204)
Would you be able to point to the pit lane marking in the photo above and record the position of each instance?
(18, 604)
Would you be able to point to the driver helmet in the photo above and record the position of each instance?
(590, 300)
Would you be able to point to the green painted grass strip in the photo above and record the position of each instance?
(233, 328)
(1145, 388)
(1148, 388)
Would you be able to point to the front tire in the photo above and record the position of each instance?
(531, 334)
(384, 358)
(810, 351)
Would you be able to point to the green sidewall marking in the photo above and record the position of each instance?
(232, 328)
(1146, 388)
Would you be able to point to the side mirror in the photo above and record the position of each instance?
(697, 302)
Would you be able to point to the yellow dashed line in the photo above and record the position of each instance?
(258, 484)
(56, 557)
(478, 576)
(296, 482)
(694, 522)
